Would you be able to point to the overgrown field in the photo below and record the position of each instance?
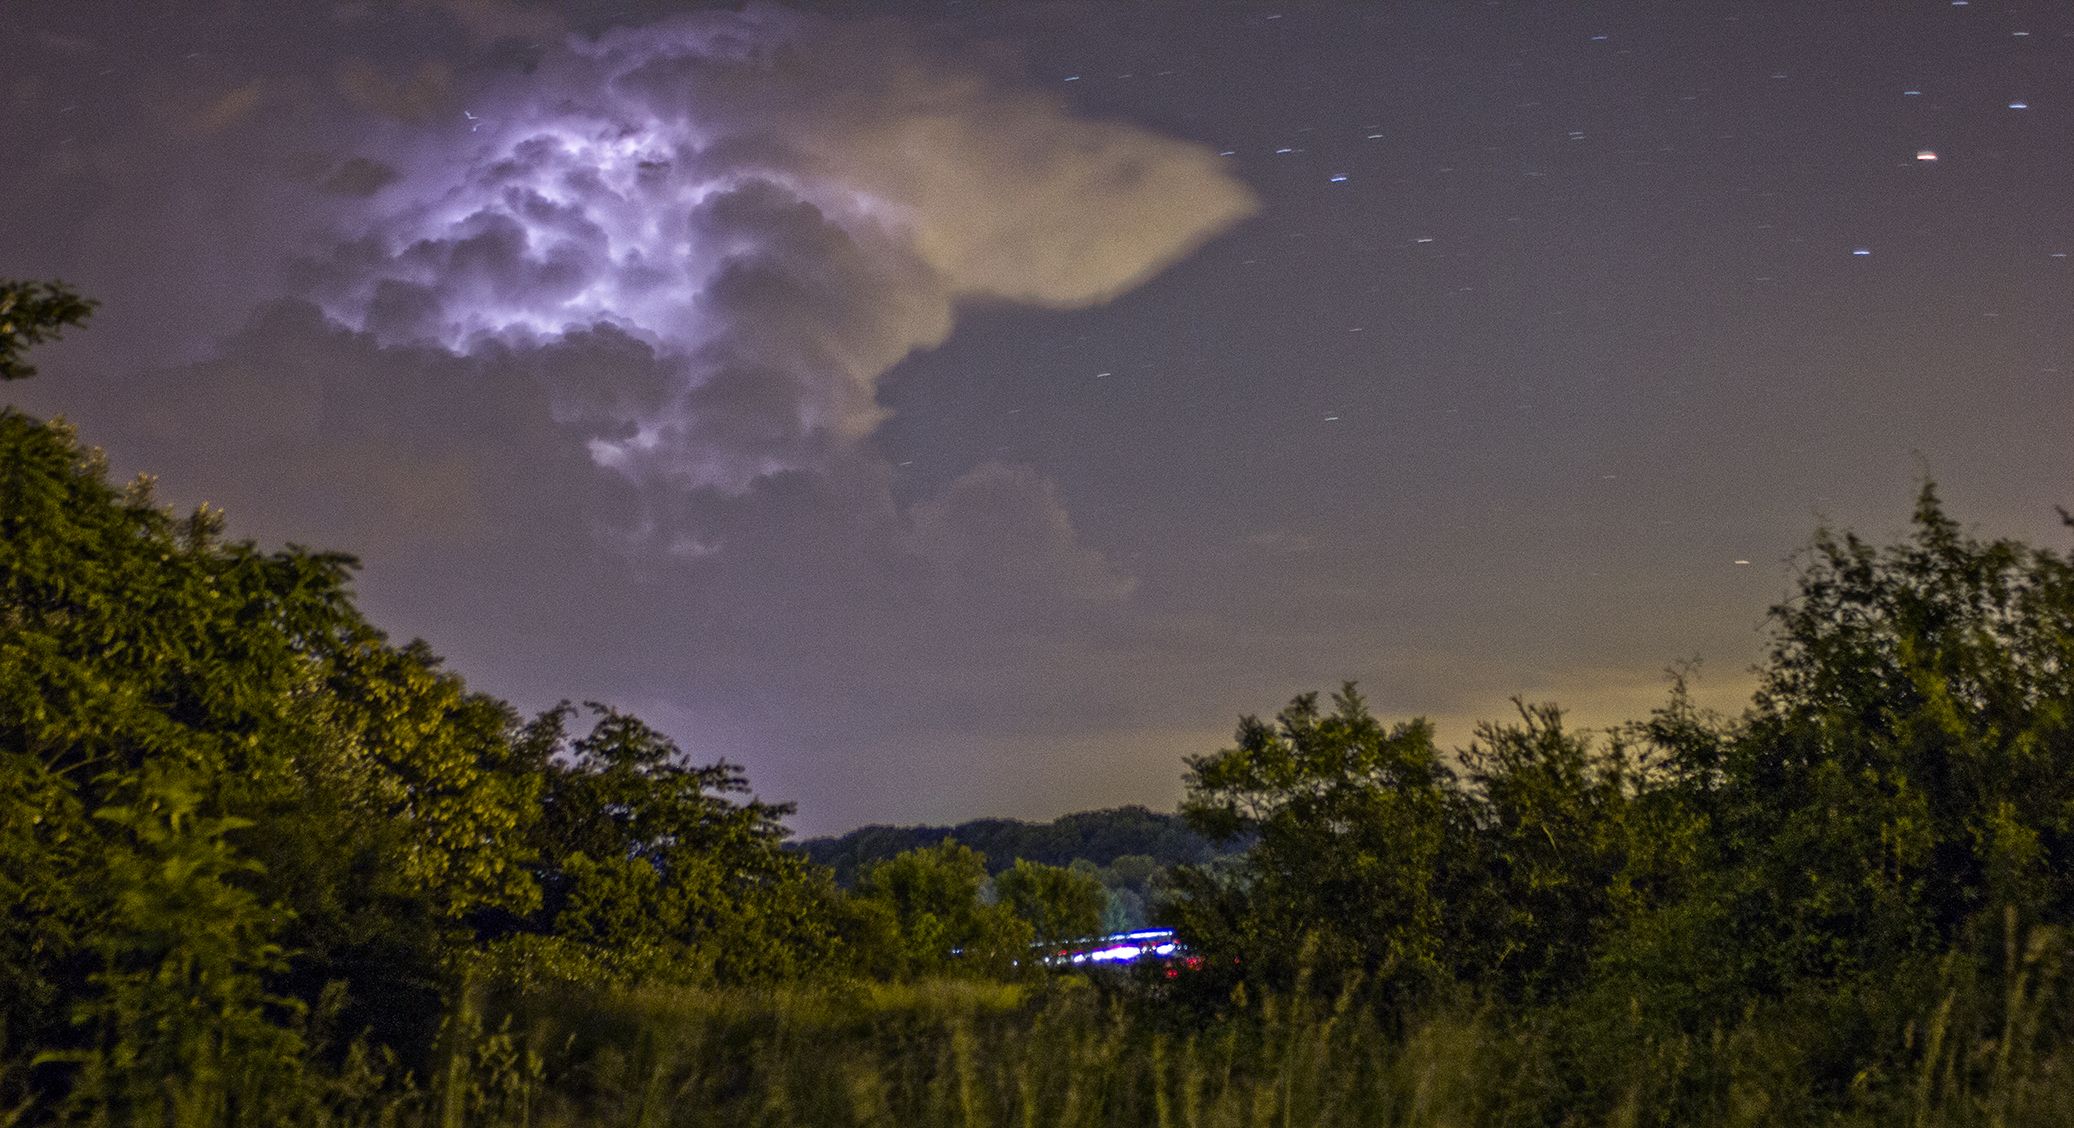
(1067, 1052)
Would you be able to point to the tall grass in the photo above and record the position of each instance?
(952, 1053)
(1067, 1054)
(1988, 1054)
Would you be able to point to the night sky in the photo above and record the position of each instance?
(953, 410)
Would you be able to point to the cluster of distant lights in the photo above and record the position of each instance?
(1121, 948)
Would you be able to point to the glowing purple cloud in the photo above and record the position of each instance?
(776, 209)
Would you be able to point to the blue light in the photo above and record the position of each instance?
(1117, 948)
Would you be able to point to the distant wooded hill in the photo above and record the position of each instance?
(1099, 837)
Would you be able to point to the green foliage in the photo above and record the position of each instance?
(1128, 850)
(1905, 776)
(383, 802)
(657, 870)
(1549, 820)
(1131, 883)
(1701, 908)
(46, 924)
(1058, 903)
(1097, 837)
(179, 1022)
(940, 923)
(1354, 837)
(31, 313)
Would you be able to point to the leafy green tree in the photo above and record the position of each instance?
(182, 1028)
(1667, 940)
(46, 923)
(31, 313)
(1098, 837)
(1348, 873)
(1550, 821)
(1129, 885)
(1899, 791)
(659, 870)
(382, 799)
(378, 800)
(933, 895)
(1133, 871)
(1908, 769)
(1058, 903)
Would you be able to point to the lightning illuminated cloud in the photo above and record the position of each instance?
(774, 211)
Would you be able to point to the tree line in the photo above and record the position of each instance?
(1128, 850)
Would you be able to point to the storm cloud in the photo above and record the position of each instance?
(779, 208)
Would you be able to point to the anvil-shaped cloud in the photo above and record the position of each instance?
(775, 213)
